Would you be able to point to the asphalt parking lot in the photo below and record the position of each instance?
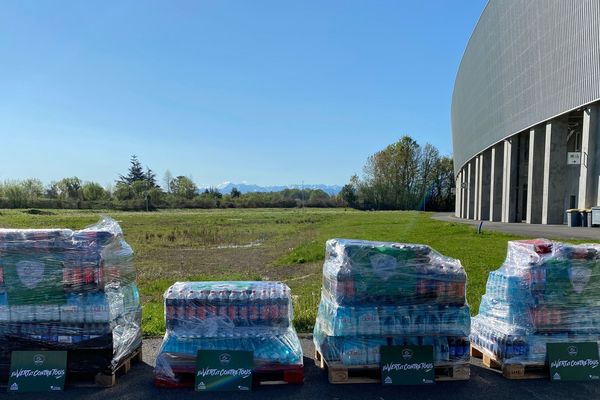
(484, 384)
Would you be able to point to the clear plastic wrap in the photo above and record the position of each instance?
(378, 293)
(69, 290)
(544, 292)
(253, 316)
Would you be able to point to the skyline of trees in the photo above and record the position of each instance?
(402, 176)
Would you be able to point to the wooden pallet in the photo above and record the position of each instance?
(106, 379)
(339, 373)
(510, 371)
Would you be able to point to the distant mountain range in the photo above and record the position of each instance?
(226, 187)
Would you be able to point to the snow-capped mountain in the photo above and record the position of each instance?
(245, 187)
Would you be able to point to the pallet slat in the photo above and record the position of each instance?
(510, 371)
(109, 379)
(338, 373)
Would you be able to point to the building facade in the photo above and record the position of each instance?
(525, 112)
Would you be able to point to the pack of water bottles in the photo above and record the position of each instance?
(379, 293)
(253, 316)
(69, 290)
(544, 292)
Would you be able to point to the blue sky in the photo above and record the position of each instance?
(268, 92)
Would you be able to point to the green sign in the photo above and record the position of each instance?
(573, 361)
(407, 365)
(37, 371)
(224, 370)
(34, 279)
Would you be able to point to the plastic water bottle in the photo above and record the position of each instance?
(345, 322)
(222, 303)
(419, 319)
(180, 305)
(211, 304)
(388, 320)
(368, 321)
(440, 349)
(233, 306)
(373, 346)
(4, 310)
(264, 308)
(433, 322)
(201, 305)
(402, 321)
(243, 309)
(190, 306)
(253, 309)
(284, 308)
(274, 307)
(354, 352)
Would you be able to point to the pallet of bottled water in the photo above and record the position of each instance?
(69, 290)
(545, 292)
(379, 293)
(252, 316)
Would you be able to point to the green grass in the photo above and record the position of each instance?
(268, 244)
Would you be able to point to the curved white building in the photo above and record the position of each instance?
(525, 107)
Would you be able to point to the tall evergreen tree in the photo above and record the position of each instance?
(135, 173)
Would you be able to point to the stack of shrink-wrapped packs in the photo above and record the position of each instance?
(69, 290)
(250, 316)
(377, 293)
(544, 292)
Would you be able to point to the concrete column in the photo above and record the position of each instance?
(476, 191)
(588, 175)
(484, 181)
(464, 198)
(457, 195)
(496, 171)
(509, 208)
(535, 175)
(555, 162)
(470, 181)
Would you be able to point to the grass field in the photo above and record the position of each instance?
(268, 244)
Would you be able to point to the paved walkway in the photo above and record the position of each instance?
(529, 230)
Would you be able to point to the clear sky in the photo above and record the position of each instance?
(268, 92)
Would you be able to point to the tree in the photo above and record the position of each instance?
(183, 187)
(68, 188)
(92, 191)
(167, 179)
(403, 176)
(15, 194)
(135, 173)
(212, 193)
(235, 193)
(348, 195)
(150, 178)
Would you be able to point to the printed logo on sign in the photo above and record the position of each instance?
(31, 273)
(225, 359)
(201, 386)
(383, 264)
(407, 354)
(388, 380)
(14, 386)
(572, 351)
(38, 359)
(579, 276)
(557, 376)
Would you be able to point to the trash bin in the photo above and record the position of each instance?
(573, 217)
(583, 218)
(595, 216)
